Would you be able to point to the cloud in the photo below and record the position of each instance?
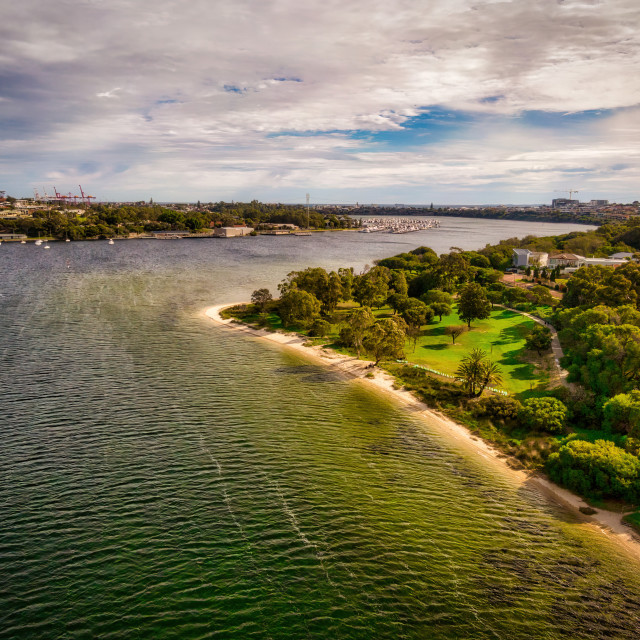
(207, 90)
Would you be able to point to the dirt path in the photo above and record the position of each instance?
(558, 353)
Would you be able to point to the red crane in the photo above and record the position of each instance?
(85, 196)
(59, 197)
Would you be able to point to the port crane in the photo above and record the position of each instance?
(569, 191)
(85, 196)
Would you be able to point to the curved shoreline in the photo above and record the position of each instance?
(607, 522)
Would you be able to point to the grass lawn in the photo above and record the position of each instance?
(502, 336)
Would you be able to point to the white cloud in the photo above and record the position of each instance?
(199, 87)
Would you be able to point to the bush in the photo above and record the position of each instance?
(347, 337)
(320, 328)
(622, 413)
(497, 408)
(598, 468)
(543, 414)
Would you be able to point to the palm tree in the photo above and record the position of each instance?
(477, 372)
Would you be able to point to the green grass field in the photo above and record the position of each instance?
(502, 336)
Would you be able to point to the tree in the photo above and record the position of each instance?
(398, 302)
(333, 293)
(435, 295)
(346, 278)
(622, 413)
(497, 407)
(386, 338)
(455, 331)
(473, 303)
(440, 309)
(494, 297)
(477, 372)
(416, 313)
(261, 298)
(358, 321)
(299, 307)
(371, 288)
(540, 295)
(544, 414)
(398, 283)
(439, 301)
(539, 339)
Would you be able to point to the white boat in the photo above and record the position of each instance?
(46, 246)
(23, 242)
(38, 242)
(111, 241)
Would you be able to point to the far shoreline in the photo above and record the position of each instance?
(607, 522)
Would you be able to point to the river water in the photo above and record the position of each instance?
(162, 477)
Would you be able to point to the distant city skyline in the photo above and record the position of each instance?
(451, 101)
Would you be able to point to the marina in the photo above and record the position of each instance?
(397, 225)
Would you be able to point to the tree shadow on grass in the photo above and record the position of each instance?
(509, 335)
(437, 330)
(435, 347)
(520, 370)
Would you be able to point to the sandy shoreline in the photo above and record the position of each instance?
(608, 522)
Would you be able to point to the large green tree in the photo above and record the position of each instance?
(298, 307)
(386, 339)
(539, 339)
(358, 322)
(372, 288)
(473, 303)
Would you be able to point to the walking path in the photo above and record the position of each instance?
(558, 353)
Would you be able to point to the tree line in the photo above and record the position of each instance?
(109, 220)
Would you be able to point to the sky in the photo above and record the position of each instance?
(370, 101)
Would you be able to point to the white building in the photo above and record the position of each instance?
(232, 232)
(526, 258)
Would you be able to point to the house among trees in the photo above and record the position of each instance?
(564, 260)
(526, 258)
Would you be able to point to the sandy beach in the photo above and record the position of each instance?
(609, 523)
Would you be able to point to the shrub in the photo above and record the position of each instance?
(543, 414)
(598, 468)
(320, 328)
(497, 408)
(622, 413)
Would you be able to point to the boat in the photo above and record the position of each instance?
(67, 240)
(46, 246)
(111, 241)
(38, 242)
(302, 233)
(23, 242)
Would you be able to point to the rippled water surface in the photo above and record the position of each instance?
(165, 478)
